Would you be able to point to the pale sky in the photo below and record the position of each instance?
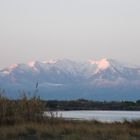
(75, 29)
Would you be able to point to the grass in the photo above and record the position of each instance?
(71, 130)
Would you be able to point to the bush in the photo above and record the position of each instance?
(25, 109)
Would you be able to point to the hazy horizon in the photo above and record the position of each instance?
(78, 29)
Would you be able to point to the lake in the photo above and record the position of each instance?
(104, 116)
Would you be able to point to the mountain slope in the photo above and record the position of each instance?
(65, 79)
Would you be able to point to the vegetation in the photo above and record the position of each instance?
(83, 104)
(20, 111)
(71, 130)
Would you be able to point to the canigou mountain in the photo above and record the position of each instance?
(105, 79)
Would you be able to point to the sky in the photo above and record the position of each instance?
(75, 29)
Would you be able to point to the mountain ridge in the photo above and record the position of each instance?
(67, 79)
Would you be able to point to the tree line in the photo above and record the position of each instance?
(82, 104)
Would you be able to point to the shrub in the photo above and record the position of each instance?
(25, 109)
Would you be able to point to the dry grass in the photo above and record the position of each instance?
(26, 109)
(71, 130)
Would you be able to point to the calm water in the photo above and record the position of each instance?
(109, 116)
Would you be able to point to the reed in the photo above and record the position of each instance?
(25, 109)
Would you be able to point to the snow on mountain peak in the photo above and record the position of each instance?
(50, 61)
(9, 69)
(13, 66)
(101, 64)
(31, 64)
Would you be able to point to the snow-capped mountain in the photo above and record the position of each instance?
(105, 79)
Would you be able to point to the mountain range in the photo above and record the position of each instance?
(64, 79)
